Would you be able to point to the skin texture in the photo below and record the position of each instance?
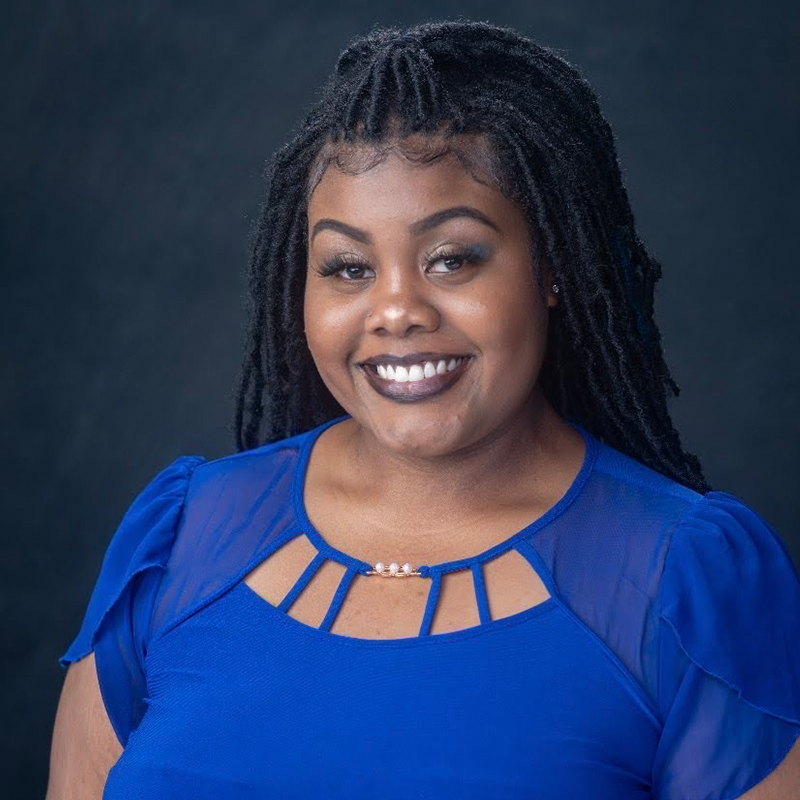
(84, 746)
(782, 783)
(492, 439)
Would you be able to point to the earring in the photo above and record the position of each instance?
(555, 288)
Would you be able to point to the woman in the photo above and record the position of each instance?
(460, 551)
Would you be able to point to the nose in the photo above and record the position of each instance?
(399, 306)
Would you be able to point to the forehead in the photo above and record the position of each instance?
(401, 178)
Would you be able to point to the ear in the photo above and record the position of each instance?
(550, 296)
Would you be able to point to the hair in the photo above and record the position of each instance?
(457, 85)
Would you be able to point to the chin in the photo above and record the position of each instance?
(419, 435)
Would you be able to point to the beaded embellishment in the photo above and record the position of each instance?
(394, 570)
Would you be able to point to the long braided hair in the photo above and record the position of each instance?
(555, 155)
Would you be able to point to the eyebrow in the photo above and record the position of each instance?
(416, 228)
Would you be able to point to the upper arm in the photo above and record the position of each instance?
(103, 698)
(782, 782)
(84, 746)
(728, 685)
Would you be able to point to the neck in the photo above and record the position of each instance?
(521, 462)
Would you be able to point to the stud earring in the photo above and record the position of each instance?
(555, 288)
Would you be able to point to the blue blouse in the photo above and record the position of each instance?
(665, 663)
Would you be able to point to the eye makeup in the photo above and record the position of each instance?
(471, 254)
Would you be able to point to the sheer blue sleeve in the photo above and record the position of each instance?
(729, 653)
(116, 622)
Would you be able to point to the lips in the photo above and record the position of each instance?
(412, 391)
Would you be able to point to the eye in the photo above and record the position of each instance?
(455, 259)
(453, 262)
(350, 268)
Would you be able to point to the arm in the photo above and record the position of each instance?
(782, 782)
(84, 746)
(115, 625)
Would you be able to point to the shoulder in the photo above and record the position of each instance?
(695, 576)
(730, 595)
(235, 507)
(233, 482)
(625, 517)
(634, 479)
(725, 673)
(230, 484)
(252, 476)
(236, 470)
(662, 553)
(691, 531)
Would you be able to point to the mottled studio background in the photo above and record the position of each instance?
(132, 143)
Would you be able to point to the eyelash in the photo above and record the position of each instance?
(468, 255)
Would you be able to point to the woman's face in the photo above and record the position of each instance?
(429, 263)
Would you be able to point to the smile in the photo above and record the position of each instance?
(416, 382)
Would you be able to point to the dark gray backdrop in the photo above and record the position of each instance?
(133, 142)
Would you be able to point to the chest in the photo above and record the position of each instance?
(376, 607)
(247, 702)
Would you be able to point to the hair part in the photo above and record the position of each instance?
(519, 117)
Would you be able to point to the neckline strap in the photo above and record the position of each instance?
(431, 570)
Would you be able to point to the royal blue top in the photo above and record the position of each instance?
(665, 663)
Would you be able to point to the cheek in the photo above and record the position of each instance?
(331, 330)
(525, 327)
(507, 325)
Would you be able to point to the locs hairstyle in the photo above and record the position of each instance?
(551, 151)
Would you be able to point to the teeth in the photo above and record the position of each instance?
(417, 372)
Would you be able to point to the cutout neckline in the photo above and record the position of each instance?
(252, 597)
(429, 570)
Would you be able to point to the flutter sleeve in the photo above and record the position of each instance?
(729, 653)
(116, 622)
